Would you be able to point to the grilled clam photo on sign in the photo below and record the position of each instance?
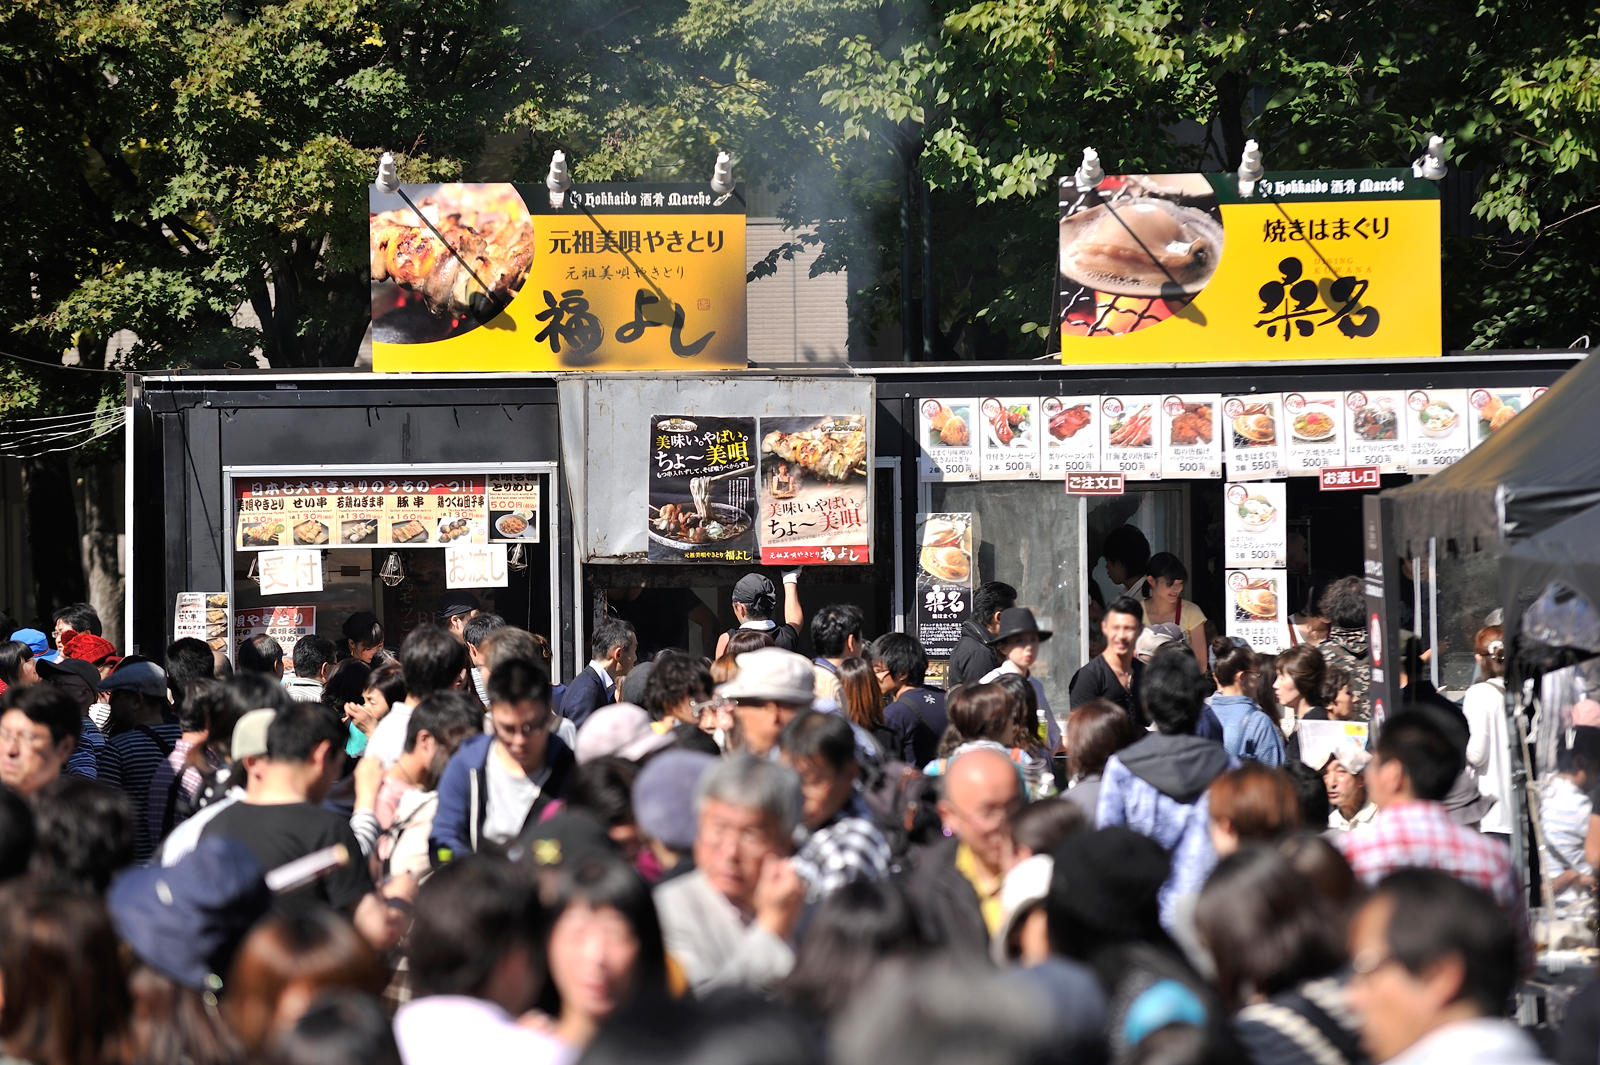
(421, 290)
(1135, 251)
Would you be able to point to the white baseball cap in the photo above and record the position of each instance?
(772, 673)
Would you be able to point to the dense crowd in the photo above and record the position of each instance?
(433, 855)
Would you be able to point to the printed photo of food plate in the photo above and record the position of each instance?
(408, 532)
(518, 525)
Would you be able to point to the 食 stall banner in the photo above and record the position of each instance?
(378, 511)
(781, 490)
(619, 276)
(1204, 268)
(202, 616)
(286, 624)
(943, 583)
(702, 489)
(814, 493)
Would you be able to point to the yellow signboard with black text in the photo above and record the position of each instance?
(1202, 268)
(613, 277)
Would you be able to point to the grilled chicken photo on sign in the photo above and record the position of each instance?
(832, 456)
(487, 224)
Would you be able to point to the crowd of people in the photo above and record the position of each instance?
(432, 853)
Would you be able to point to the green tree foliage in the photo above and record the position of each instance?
(195, 171)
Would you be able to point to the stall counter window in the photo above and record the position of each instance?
(382, 539)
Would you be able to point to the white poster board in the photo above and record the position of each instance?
(1255, 525)
(1252, 427)
(1191, 447)
(1071, 435)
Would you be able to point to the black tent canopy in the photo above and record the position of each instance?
(1540, 469)
(1539, 575)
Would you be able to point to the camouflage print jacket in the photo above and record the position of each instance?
(1348, 648)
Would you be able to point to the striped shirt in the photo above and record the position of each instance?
(129, 761)
(85, 761)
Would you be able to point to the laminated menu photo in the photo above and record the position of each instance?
(1255, 528)
(1190, 444)
(1375, 431)
(1254, 434)
(1257, 608)
(949, 448)
(1439, 429)
(1009, 449)
(1493, 409)
(1128, 436)
(1071, 435)
(1315, 430)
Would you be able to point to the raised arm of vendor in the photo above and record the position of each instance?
(792, 613)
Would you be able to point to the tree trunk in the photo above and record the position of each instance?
(102, 523)
(1230, 115)
(52, 535)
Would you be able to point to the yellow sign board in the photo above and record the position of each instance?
(613, 277)
(1199, 268)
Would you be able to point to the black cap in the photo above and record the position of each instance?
(1111, 880)
(564, 839)
(1018, 621)
(76, 667)
(457, 602)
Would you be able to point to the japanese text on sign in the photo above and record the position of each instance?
(1349, 478)
(1095, 484)
(475, 566)
(285, 572)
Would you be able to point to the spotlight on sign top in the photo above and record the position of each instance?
(1432, 163)
(558, 181)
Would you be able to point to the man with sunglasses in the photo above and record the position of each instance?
(497, 783)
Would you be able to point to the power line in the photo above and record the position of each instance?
(59, 365)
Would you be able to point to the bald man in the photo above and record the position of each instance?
(955, 886)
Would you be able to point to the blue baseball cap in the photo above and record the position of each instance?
(37, 641)
(186, 921)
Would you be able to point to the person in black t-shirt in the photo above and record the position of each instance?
(280, 820)
(1114, 673)
(915, 713)
(754, 600)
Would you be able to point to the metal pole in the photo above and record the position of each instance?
(930, 299)
(908, 352)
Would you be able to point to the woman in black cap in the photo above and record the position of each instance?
(754, 599)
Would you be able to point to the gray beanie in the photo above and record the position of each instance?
(663, 796)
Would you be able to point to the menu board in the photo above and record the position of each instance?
(944, 430)
(1439, 428)
(1255, 531)
(1493, 409)
(372, 511)
(1190, 446)
(1254, 431)
(1071, 437)
(944, 580)
(513, 508)
(702, 488)
(1319, 739)
(1315, 426)
(813, 504)
(1375, 431)
(202, 616)
(286, 624)
(1128, 436)
(1257, 608)
(1009, 440)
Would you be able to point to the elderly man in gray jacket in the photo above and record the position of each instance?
(731, 922)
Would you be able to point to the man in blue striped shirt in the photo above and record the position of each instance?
(143, 733)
